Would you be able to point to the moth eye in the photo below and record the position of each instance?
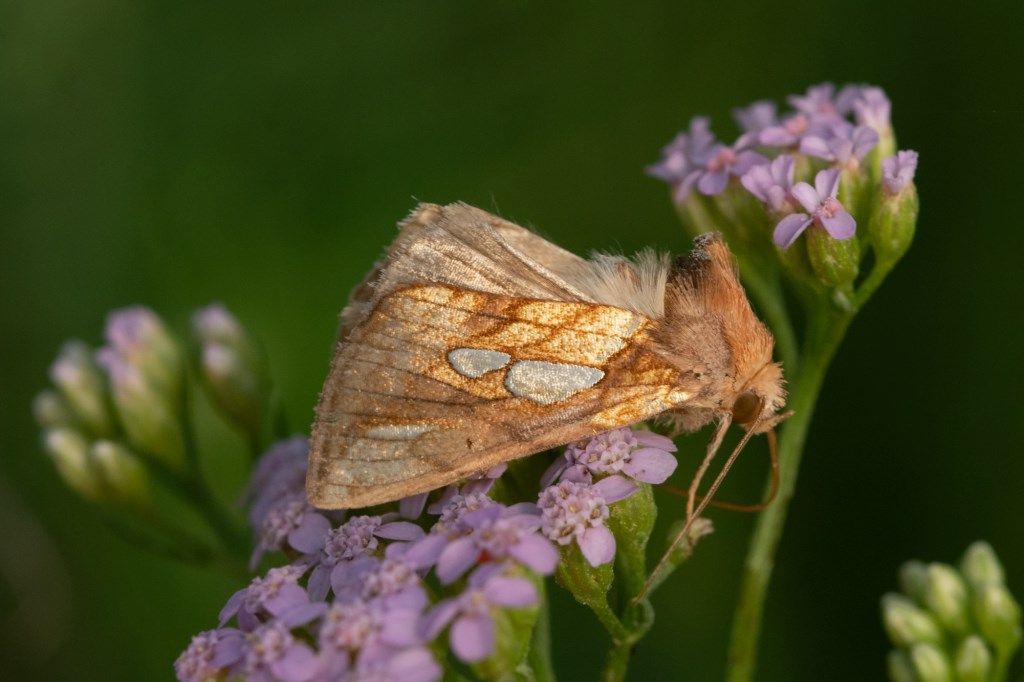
(747, 407)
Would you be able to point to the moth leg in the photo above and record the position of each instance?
(732, 506)
(716, 442)
(655, 575)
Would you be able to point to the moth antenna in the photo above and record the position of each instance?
(690, 518)
(733, 506)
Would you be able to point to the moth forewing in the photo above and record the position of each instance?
(475, 342)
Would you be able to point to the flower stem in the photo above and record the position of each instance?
(539, 657)
(826, 327)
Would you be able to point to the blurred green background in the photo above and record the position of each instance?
(173, 153)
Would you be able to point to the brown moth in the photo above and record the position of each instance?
(474, 342)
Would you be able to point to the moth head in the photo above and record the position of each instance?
(760, 399)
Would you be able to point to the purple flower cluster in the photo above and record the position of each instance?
(279, 514)
(353, 603)
(830, 132)
(592, 474)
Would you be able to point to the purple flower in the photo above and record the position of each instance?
(472, 625)
(822, 101)
(412, 507)
(483, 481)
(293, 523)
(824, 209)
(641, 455)
(358, 536)
(720, 162)
(452, 506)
(268, 653)
(845, 147)
(492, 533)
(279, 477)
(790, 131)
(898, 171)
(872, 108)
(274, 595)
(771, 183)
(577, 511)
(683, 158)
(200, 662)
(370, 640)
(752, 119)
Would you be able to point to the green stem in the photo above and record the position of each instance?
(233, 537)
(539, 657)
(617, 662)
(826, 327)
(872, 282)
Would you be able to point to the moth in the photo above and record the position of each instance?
(474, 341)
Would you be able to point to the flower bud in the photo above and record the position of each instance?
(930, 664)
(836, 262)
(513, 629)
(233, 369)
(69, 451)
(139, 336)
(998, 616)
(855, 191)
(980, 565)
(150, 418)
(973, 660)
(50, 410)
(946, 597)
(588, 584)
(900, 667)
(631, 521)
(123, 475)
(906, 624)
(83, 388)
(914, 579)
(699, 528)
(894, 214)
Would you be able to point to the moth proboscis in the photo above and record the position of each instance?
(475, 341)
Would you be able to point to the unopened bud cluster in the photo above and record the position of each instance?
(952, 623)
(823, 182)
(113, 409)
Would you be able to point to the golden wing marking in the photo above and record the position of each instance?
(392, 376)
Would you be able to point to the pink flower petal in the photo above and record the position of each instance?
(298, 664)
(615, 488)
(713, 182)
(826, 183)
(311, 533)
(536, 553)
(655, 440)
(650, 465)
(807, 196)
(287, 598)
(319, 583)
(411, 507)
(789, 228)
(506, 591)
(425, 552)
(456, 559)
(439, 617)
(816, 146)
(597, 545)
(400, 530)
(472, 638)
(413, 665)
(840, 226)
(231, 608)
